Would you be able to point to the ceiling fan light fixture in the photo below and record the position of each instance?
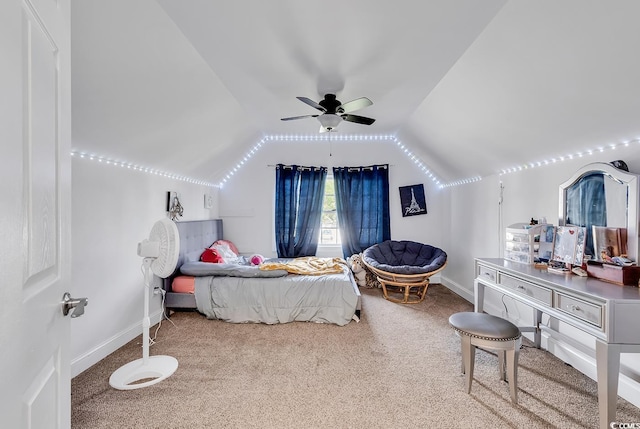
(329, 120)
(334, 111)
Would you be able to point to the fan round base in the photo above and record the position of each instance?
(156, 369)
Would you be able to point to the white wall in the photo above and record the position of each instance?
(246, 200)
(477, 227)
(114, 209)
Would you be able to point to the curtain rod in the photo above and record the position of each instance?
(300, 167)
(369, 167)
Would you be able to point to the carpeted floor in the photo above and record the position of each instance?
(399, 367)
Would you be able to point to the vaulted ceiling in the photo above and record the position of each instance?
(471, 86)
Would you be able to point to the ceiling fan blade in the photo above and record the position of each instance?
(358, 119)
(353, 105)
(299, 117)
(312, 103)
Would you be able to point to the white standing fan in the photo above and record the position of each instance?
(160, 253)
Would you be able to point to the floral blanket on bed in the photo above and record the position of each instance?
(310, 265)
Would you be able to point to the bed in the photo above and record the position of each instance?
(241, 294)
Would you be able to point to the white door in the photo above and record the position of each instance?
(35, 142)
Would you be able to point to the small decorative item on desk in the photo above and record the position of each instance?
(613, 273)
(558, 268)
(579, 272)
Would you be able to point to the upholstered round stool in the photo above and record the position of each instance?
(491, 333)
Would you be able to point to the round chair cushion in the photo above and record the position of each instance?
(404, 257)
(485, 326)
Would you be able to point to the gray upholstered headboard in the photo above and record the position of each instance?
(195, 235)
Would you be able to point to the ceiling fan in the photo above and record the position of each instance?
(334, 111)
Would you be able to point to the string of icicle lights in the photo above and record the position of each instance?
(136, 167)
(333, 137)
(571, 156)
(355, 137)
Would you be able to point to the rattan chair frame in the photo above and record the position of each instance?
(406, 284)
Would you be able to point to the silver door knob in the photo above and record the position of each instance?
(75, 306)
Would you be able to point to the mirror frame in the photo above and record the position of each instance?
(622, 177)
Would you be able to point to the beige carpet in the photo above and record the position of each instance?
(399, 367)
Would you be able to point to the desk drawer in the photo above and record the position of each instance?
(527, 289)
(586, 311)
(486, 273)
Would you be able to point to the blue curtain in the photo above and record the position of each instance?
(586, 206)
(362, 203)
(299, 193)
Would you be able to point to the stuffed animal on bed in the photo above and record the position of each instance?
(364, 276)
(256, 259)
(356, 265)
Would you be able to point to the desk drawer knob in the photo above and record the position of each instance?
(574, 307)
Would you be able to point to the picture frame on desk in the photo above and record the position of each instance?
(580, 245)
(569, 243)
(545, 246)
(609, 241)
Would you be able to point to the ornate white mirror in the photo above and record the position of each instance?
(602, 195)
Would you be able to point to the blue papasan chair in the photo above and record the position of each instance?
(404, 267)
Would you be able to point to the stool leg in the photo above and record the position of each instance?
(468, 359)
(501, 361)
(512, 370)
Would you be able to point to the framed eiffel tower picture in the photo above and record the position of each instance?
(412, 200)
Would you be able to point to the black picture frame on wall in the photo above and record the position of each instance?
(412, 200)
(174, 207)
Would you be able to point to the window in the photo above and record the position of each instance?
(329, 230)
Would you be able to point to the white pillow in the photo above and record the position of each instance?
(224, 250)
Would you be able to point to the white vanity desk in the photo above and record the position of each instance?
(609, 312)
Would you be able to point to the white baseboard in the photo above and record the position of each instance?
(90, 358)
(456, 288)
(628, 388)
